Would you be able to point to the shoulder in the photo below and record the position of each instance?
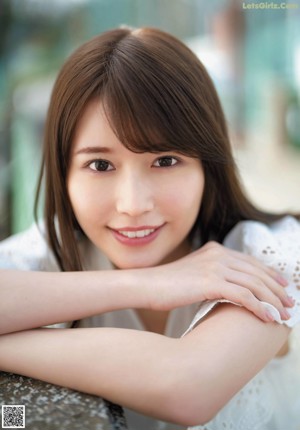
(253, 235)
(27, 250)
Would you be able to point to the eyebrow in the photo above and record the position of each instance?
(94, 150)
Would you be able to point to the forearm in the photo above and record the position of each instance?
(117, 364)
(150, 373)
(34, 299)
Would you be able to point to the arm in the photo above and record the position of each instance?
(150, 373)
(34, 299)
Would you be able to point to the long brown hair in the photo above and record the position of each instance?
(158, 97)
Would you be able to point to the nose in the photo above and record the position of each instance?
(134, 195)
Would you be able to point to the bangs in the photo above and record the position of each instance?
(145, 102)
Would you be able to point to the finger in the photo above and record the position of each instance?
(244, 297)
(258, 289)
(244, 267)
(255, 262)
(221, 249)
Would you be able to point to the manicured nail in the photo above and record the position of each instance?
(289, 301)
(285, 314)
(282, 281)
(269, 316)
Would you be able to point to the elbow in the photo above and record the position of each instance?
(187, 415)
(189, 397)
(188, 408)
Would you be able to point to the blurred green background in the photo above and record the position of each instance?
(251, 49)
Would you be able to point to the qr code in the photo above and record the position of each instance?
(13, 416)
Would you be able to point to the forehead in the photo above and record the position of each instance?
(95, 136)
(96, 128)
(93, 127)
(105, 121)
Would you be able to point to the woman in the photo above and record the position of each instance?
(140, 181)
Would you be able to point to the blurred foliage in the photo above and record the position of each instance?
(252, 60)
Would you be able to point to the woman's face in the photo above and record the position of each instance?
(136, 208)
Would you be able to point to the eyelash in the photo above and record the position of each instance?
(107, 163)
(99, 161)
(167, 157)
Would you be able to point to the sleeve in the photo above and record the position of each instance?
(27, 251)
(277, 246)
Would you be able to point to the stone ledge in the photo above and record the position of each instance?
(50, 407)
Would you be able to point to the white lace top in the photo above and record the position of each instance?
(271, 400)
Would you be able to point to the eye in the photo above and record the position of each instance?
(166, 161)
(101, 166)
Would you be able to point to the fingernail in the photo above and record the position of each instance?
(269, 316)
(285, 314)
(282, 281)
(289, 301)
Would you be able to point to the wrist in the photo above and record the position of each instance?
(135, 285)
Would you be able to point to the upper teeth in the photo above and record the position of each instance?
(140, 233)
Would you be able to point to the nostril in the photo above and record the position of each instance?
(134, 205)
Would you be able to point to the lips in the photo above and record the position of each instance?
(136, 235)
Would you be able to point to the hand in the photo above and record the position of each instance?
(215, 272)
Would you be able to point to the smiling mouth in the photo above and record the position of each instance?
(136, 234)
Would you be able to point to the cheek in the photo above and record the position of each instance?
(88, 202)
(184, 198)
